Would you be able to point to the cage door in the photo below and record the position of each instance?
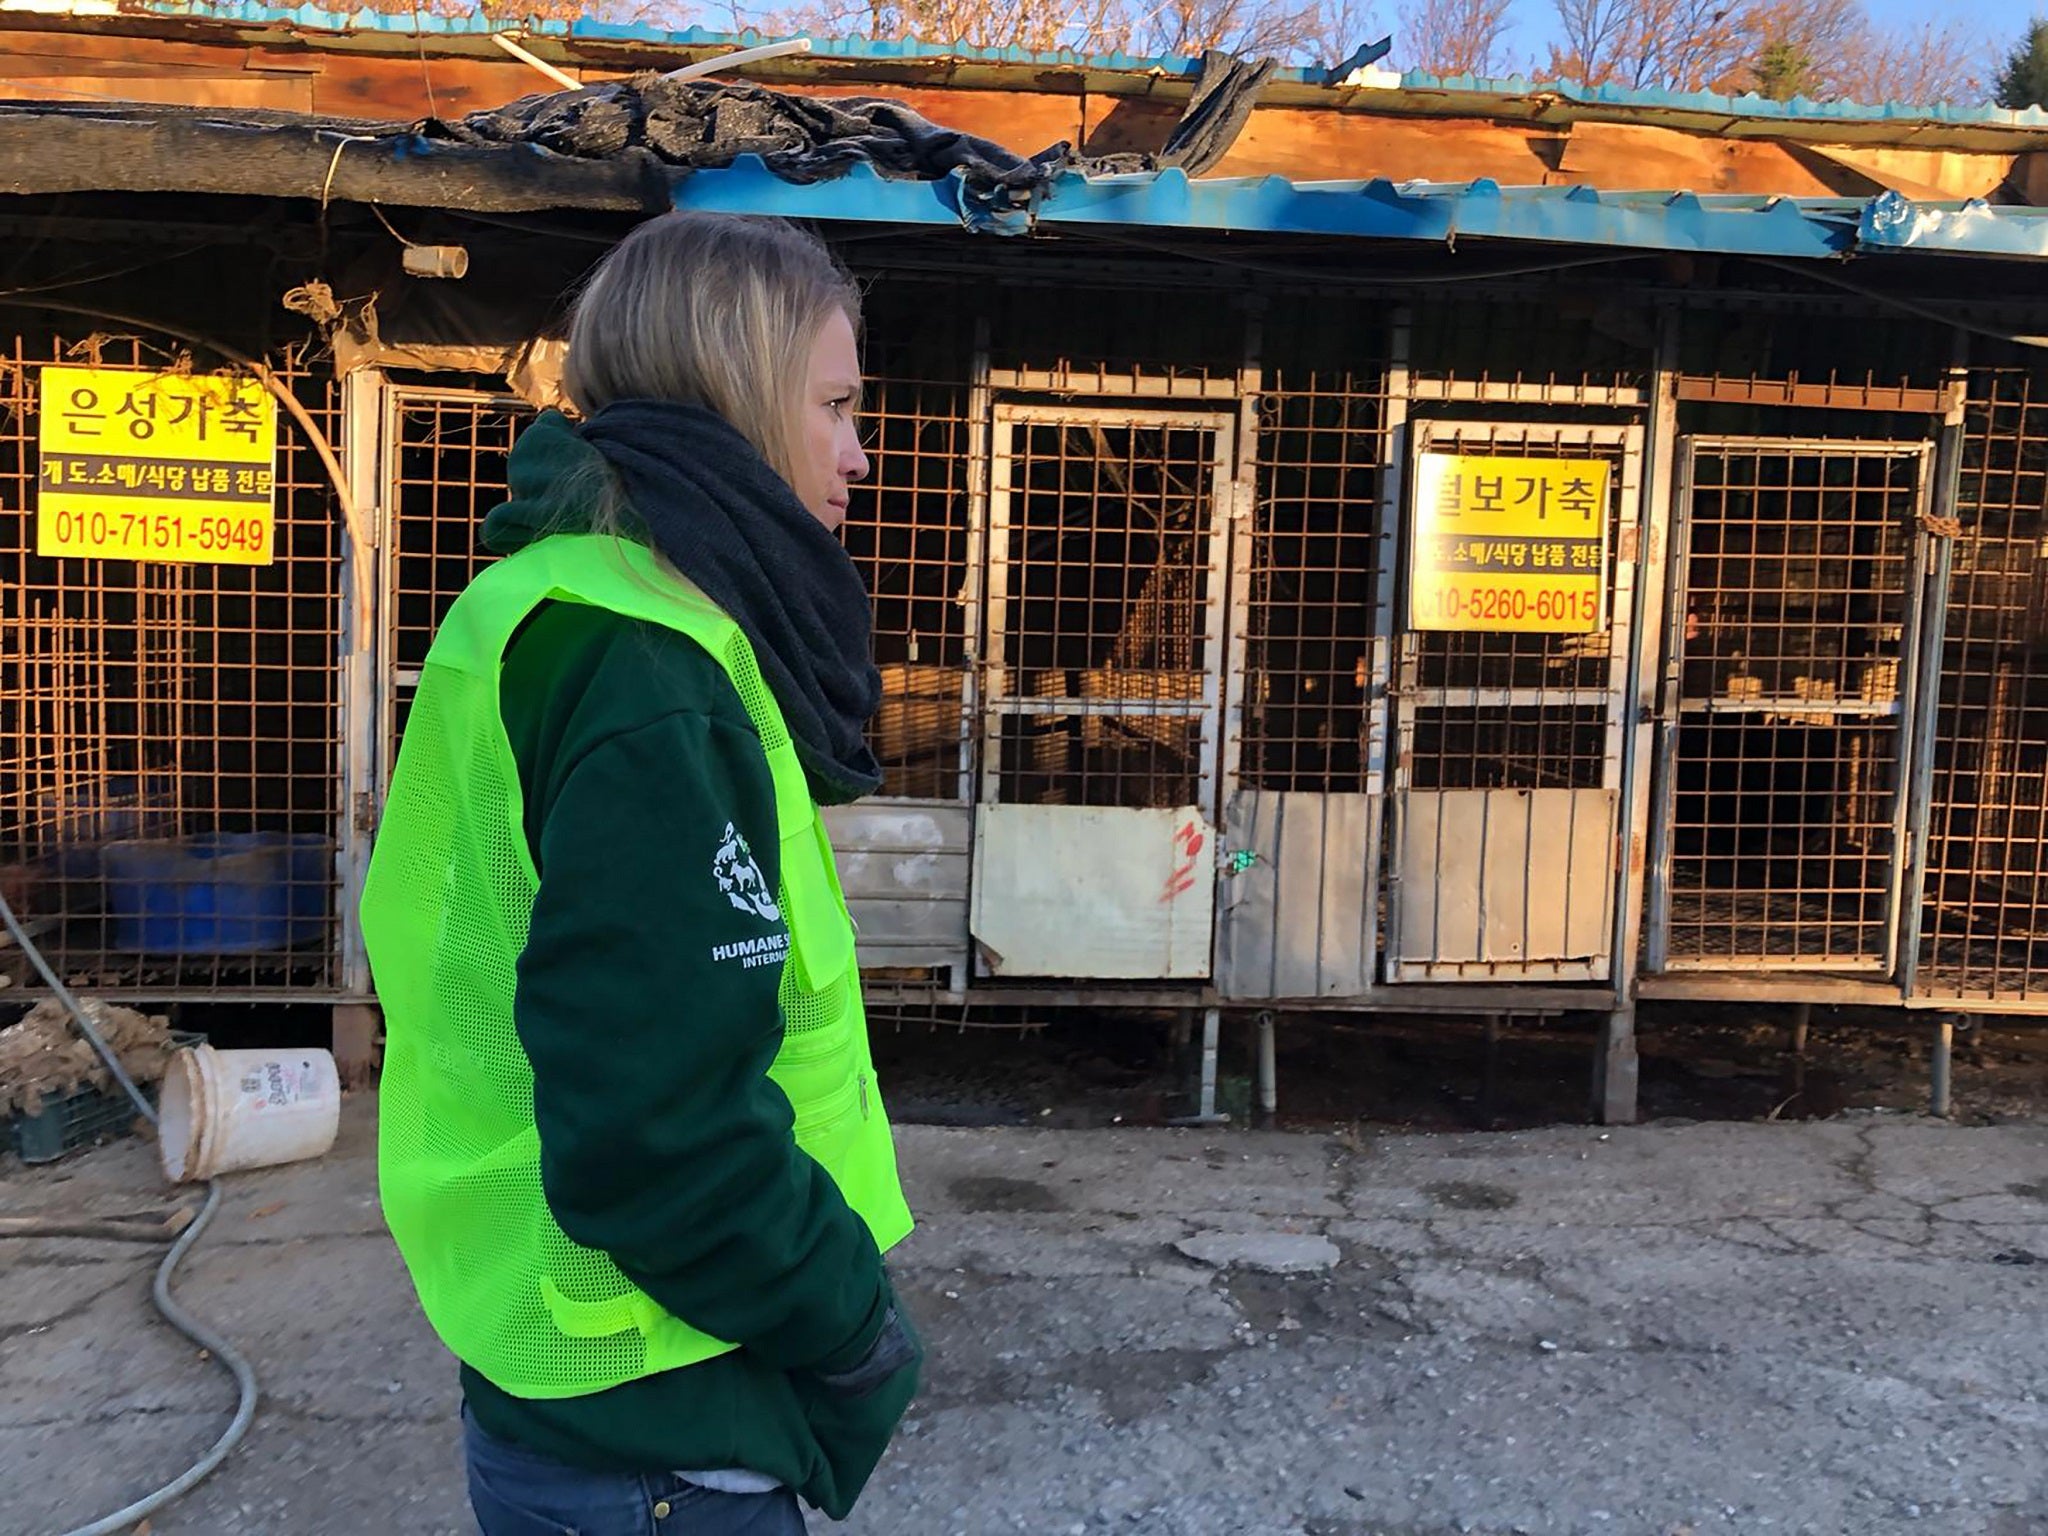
(1789, 687)
(1519, 579)
(1094, 844)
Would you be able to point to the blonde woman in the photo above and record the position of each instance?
(631, 1145)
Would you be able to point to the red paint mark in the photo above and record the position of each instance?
(1190, 841)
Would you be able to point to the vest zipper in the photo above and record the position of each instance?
(863, 1079)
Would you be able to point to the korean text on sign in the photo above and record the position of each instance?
(1509, 544)
(156, 466)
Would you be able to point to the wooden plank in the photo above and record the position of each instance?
(89, 53)
(271, 92)
(1926, 175)
(1329, 146)
(1626, 157)
(366, 85)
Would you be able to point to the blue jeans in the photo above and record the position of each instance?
(517, 1492)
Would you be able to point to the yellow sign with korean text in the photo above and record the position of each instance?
(174, 467)
(1509, 544)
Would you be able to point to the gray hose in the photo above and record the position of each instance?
(160, 1292)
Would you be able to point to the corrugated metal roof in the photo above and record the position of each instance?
(1465, 92)
(1808, 229)
(1799, 109)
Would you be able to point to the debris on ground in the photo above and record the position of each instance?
(44, 1056)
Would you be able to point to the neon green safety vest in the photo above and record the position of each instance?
(445, 915)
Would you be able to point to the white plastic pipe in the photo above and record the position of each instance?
(741, 56)
(566, 82)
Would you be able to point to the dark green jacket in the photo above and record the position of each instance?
(663, 1142)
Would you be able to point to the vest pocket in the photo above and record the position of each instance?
(826, 1126)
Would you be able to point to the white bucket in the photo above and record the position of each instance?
(223, 1110)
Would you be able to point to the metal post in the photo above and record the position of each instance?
(1921, 727)
(1205, 1104)
(1940, 1067)
(1489, 1083)
(1212, 1028)
(1269, 1070)
(1615, 1063)
(1615, 1069)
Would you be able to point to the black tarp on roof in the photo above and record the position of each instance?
(619, 145)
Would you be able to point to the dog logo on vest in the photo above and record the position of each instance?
(740, 877)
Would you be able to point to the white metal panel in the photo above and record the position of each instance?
(1506, 881)
(904, 867)
(1087, 892)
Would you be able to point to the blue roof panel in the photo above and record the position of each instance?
(1372, 210)
(1890, 222)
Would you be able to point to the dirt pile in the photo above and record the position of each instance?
(44, 1056)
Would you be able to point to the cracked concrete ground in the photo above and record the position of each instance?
(1831, 1327)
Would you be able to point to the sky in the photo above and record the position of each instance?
(1999, 22)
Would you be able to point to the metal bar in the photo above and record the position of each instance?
(1941, 1067)
(1010, 411)
(1768, 986)
(1716, 390)
(1926, 674)
(1212, 1026)
(1269, 1069)
(361, 725)
(1140, 708)
(1792, 704)
(1396, 646)
(1111, 385)
(1832, 447)
(1677, 556)
(973, 592)
(1640, 688)
(1469, 1000)
(1224, 514)
(1510, 698)
(1618, 1068)
(995, 605)
(1919, 560)
(1205, 1102)
(1554, 393)
(1393, 456)
(1243, 551)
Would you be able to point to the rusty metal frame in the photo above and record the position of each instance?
(1676, 706)
(998, 700)
(1626, 440)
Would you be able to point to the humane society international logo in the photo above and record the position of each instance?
(740, 877)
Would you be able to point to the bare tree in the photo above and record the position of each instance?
(1090, 26)
(1672, 45)
(1251, 27)
(1454, 37)
(1934, 62)
(1341, 27)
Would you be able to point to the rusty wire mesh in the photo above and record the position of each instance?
(1984, 923)
(1788, 762)
(169, 785)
